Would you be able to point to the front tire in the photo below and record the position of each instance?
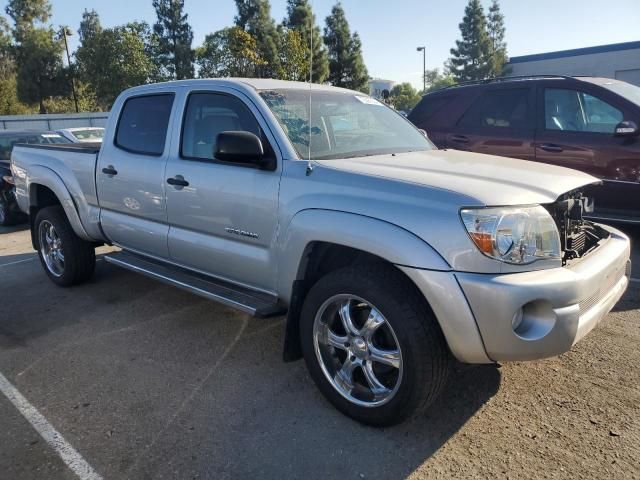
(66, 258)
(7, 217)
(372, 345)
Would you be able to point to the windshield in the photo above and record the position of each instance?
(343, 125)
(89, 135)
(626, 90)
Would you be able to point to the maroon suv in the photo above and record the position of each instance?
(586, 123)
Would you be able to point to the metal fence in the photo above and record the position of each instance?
(53, 121)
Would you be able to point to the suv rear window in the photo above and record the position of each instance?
(499, 109)
(143, 124)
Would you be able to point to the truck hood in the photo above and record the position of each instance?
(489, 179)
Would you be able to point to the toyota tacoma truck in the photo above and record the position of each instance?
(389, 257)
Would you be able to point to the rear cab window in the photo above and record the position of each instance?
(143, 124)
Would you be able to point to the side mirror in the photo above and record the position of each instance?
(239, 147)
(627, 128)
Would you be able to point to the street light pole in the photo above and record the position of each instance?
(424, 67)
(64, 32)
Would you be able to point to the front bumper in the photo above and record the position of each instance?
(559, 306)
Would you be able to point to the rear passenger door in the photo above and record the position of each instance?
(500, 121)
(130, 176)
(224, 216)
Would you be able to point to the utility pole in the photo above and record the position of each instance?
(64, 32)
(424, 67)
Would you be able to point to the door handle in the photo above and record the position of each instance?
(178, 181)
(550, 147)
(459, 139)
(109, 170)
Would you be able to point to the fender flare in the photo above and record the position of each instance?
(378, 237)
(40, 175)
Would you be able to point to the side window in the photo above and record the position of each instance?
(428, 107)
(209, 114)
(575, 111)
(500, 109)
(143, 123)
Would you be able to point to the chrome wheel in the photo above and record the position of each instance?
(51, 248)
(357, 350)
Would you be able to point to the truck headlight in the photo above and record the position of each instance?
(516, 235)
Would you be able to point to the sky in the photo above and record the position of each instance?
(391, 31)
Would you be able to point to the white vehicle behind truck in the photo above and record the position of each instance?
(388, 256)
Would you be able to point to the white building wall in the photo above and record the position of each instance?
(622, 64)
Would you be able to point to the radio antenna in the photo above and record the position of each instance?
(311, 25)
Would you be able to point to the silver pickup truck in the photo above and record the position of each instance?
(388, 256)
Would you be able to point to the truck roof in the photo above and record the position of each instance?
(252, 83)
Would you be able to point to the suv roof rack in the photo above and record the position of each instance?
(508, 78)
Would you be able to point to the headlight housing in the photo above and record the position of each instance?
(517, 235)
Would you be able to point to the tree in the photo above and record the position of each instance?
(26, 12)
(404, 97)
(471, 59)
(346, 65)
(90, 26)
(300, 17)
(435, 80)
(38, 52)
(9, 102)
(292, 56)
(496, 32)
(230, 52)
(173, 37)
(114, 60)
(254, 17)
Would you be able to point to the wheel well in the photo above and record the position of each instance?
(39, 198)
(319, 259)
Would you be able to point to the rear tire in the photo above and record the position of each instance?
(66, 258)
(389, 359)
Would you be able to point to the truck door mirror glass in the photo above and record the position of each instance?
(239, 147)
(627, 129)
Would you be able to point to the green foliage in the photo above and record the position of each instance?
(40, 72)
(435, 80)
(87, 101)
(90, 26)
(293, 63)
(346, 65)
(254, 17)
(173, 39)
(404, 97)
(113, 60)
(471, 59)
(25, 12)
(496, 32)
(230, 52)
(9, 102)
(300, 17)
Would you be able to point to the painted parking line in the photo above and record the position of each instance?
(17, 261)
(54, 439)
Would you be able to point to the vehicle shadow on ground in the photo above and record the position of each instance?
(14, 228)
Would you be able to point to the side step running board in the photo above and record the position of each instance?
(258, 304)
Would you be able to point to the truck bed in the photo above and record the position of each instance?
(93, 147)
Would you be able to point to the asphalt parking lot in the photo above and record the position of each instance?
(145, 381)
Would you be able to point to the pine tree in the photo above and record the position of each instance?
(254, 16)
(173, 39)
(471, 59)
(346, 65)
(89, 26)
(496, 32)
(300, 17)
